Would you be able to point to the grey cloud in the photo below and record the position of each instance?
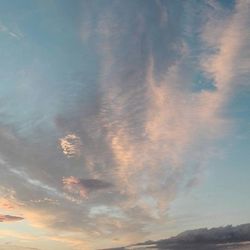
(9, 218)
(94, 184)
(216, 235)
(84, 186)
(220, 238)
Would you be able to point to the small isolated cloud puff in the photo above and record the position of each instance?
(9, 218)
(84, 186)
(71, 145)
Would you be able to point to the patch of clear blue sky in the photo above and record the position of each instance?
(227, 3)
(45, 66)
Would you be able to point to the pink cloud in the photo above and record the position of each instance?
(84, 186)
(9, 218)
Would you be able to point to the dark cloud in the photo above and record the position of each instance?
(215, 235)
(84, 186)
(94, 184)
(235, 246)
(9, 218)
(229, 237)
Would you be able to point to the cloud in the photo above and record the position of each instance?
(229, 62)
(204, 238)
(15, 34)
(15, 247)
(226, 234)
(155, 124)
(7, 204)
(135, 128)
(18, 235)
(3, 28)
(152, 122)
(71, 145)
(9, 218)
(75, 242)
(84, 186)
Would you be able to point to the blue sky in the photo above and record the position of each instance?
(121, 121)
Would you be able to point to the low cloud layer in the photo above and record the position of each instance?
(229, 237)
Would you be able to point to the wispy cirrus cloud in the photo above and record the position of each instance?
(137, 132)
(17, 35)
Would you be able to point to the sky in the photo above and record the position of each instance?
(122, 121)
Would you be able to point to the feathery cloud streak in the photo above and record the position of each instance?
(128, 132)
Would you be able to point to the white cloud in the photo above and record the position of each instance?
(71, 145)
